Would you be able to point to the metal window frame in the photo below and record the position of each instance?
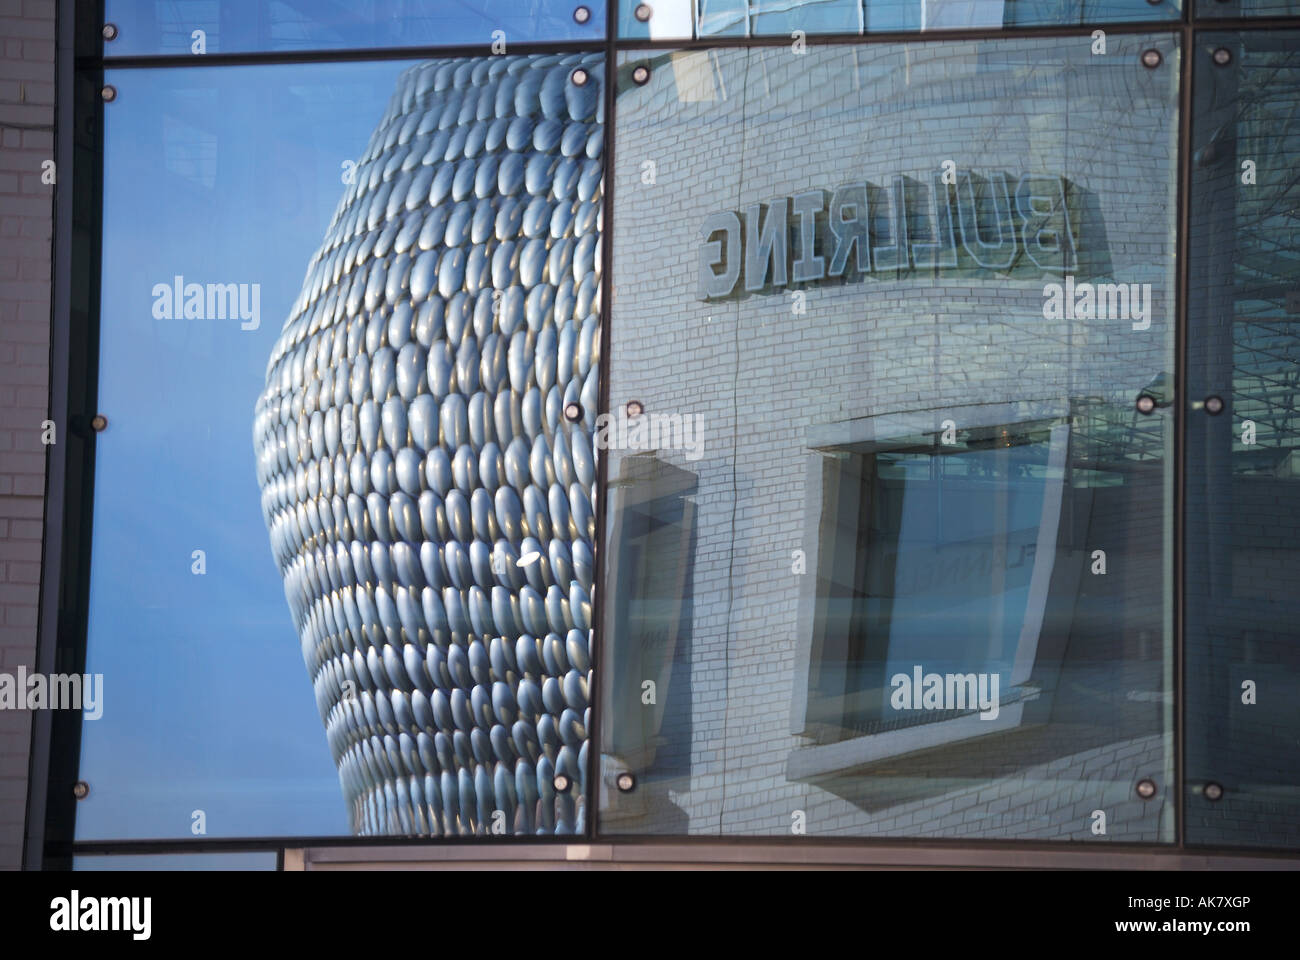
(69, 497)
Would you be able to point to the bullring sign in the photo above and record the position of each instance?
(861, 228)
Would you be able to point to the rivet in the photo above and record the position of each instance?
(626, 782)
(634, 408)
(109, 93)
(80, 789)
(1213, 791)
(1146, 789)
(1222, 56)
(1152, 59)
(580, 77)
(109, 31)
(641, 75)
(1214, 405)
(561, 783)
(581, 15)
(99, 423)
(643, 12)
(1146, 403)
(573, 412)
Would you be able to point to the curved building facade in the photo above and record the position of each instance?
(425, 452)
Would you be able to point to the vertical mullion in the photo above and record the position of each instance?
(599, 648)
(1181, 410)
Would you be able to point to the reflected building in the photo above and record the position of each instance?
(914, 466)
(424, 449)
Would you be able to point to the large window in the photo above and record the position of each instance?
(684, 19)
(1243, 464)
(412, 518)
(928, 556)
(922, 373)
(200, 27)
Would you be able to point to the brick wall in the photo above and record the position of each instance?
(26, 226)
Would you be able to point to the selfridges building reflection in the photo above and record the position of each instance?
(425, 452)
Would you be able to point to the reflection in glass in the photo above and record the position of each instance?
(888, 313)
(941, 571)
(1243, 464)
(213, 176)
(687, 19)
(426, 491)
(251, 26)
(1211, 9)
(424, 452)
(649, 611)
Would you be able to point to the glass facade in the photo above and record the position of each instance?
(924, 584)
(1243, 579)
(403, 435)
(739, 419)
(200, 27)
(212, 176)
(1211, 9)
(686, 19)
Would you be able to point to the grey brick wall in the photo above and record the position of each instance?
(26, 226)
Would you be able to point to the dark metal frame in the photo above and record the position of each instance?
(1187, 47)
(62, 627)
(818, 854)
(74, 372)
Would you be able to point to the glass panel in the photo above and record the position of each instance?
(1243, 463)
(243, 860)
(247, 26)
(684, 19)
(1247, 8)
(410, 470)
(818, 16)
(889, 549)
